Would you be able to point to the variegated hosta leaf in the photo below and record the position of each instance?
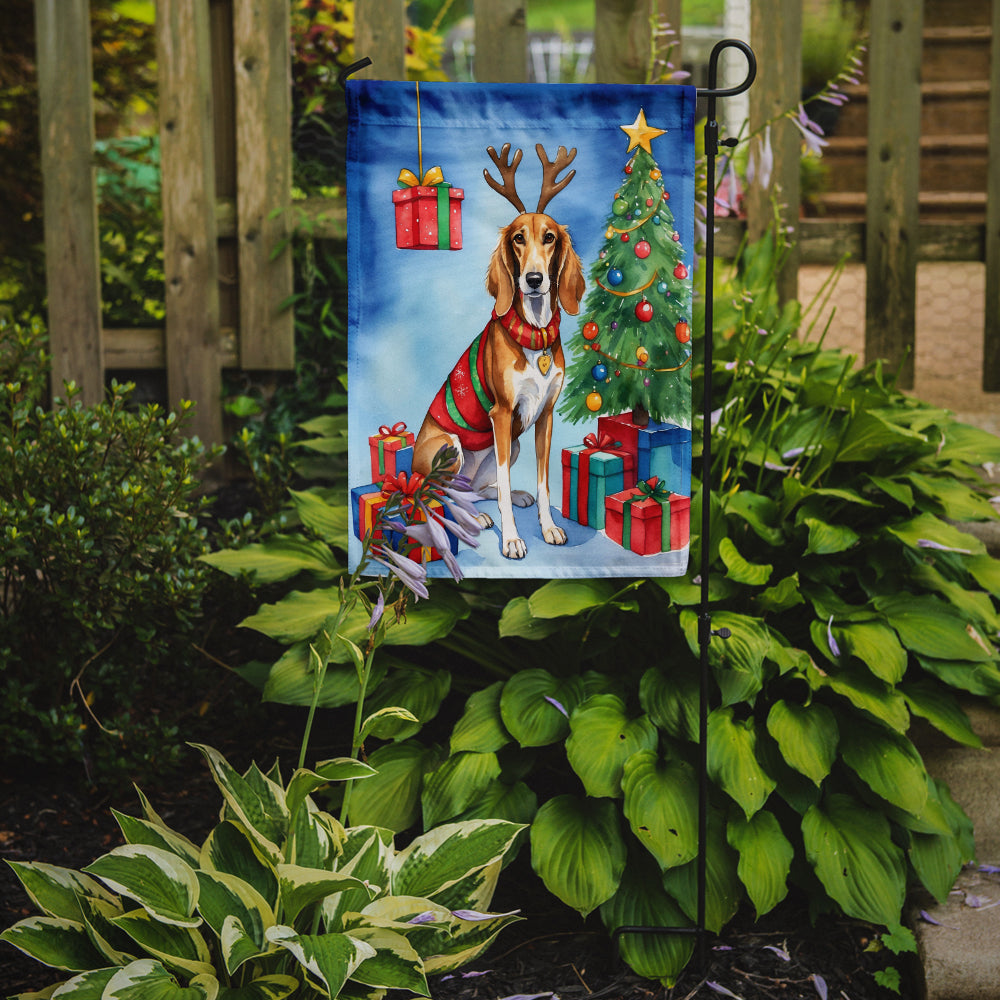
(177, 947)
(850, 847)
(274, 987)
(888, 763)
(147, 979)
(481, 728)
(230, 849)
(225, 897)
(54, 941)
(807, 736)
(315, 838)
(456, 784)
(56, 891)
(256, 801)
(329, 959)
(765, 858)
(732, 760)
(441, 857)
(395, 964)
(578, 851)
(300, 887)
(158, 880)
(367, 853)
(475, 891)
(116, 946)
(535, 706)
(642, 902)
(602, 737)
(467, 941)
(141, 831)
(661, 805)
(87, 986)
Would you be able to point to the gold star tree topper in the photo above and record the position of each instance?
(641, 134)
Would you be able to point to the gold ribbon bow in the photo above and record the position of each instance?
(432, 178)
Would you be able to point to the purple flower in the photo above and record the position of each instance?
(411, 574)
(429, 534)
(377, 612)
(780, 952)
(927, 543)
(834, 648)
(475, 915)
(811, 132)
(427, 917)
(760, 165)
(558, 705)
(820, 983)
(719, 988)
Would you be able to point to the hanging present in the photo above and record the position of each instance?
(428, 208)
(391, 451)
(662, 450)
(648, 518)
(591, 472)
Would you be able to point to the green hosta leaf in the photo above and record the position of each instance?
(260, 809)
(965, 443)
(986, 571)
(141, 831)
(230, 849)
(758, 511)
(671, 700)
(975, 605)
(641, 901)
(226, 898)
(888, 763)
(274, 987)
(807, 736)
(738, 569)
(560, 598)
(876, 646)
(54, 941)
(292, 680)
(956, 500)
(443, 856)
(481, 728)
(391, 798)
(602, 738)
(869, 436)
(893, 488)
(931, 628)
(976, 678)
(301, 887)
(723, 889)
(941, 709)
(661, 799)
(765, 858)
(578, 851)
(330, 522)
(937, 859)
(827, 539)
(850, 848)
(417, 690)
(928, 528)
(516, 803)
(147, 979)
(395, 964)
(279, 558)
(180, 948)
(738, 661)
(56, 891)
(517, 620)
(160, 882)
(330, 959)
(304, 782)
(785, 594)
(864, 691)
(732, 760)
(528, 710)
(456, 784)
(386, 723)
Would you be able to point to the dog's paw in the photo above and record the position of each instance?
(485, 521)
(554, 535)
(514, 548)
(521, 498)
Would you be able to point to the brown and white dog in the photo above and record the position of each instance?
(511, 375)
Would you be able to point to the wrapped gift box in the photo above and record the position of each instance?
(660, 449)
(429, 218)
(367, 501)
(592, 471)
(391, 451)
(648, 518)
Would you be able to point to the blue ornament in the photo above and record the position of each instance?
(614, 276)
(656, 220)
(600, 372)
(661, 287)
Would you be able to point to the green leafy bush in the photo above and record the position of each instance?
(101, 584)
(280, 899)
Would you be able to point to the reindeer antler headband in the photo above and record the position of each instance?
(550, 170)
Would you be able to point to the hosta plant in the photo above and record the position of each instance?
(279, 900)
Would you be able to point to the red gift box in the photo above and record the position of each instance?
(648, 518)
(429, 217)
(391, 451)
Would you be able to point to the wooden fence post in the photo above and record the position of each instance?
(776, 35)
(501, 39)
(72, 255)
(991, 331)
(380, 34)
(622, 40)
(190, 251)
(893, 183)
(262, 61)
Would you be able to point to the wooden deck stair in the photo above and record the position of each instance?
(955, 93)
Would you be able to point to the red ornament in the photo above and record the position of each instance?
(625, 237)
(628, 168)
(682, 332)
(675, 236)
(649, 203)
(644, 311)
(642, 249)
(680, 272)
(590, 330)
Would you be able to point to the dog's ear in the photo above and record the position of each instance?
(500, 276)
(570, 278)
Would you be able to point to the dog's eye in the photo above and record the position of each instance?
(549, 238)
(519, 237)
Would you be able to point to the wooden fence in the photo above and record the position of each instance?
(226, 161)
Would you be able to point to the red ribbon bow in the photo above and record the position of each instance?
(602, 442)
(400, 482)
(397, 428)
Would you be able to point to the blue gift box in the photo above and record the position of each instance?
(661, 449)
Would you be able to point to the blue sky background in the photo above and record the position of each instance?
(413, 312)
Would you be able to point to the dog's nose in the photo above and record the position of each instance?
(534, 278)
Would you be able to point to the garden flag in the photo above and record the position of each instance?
(519, 287)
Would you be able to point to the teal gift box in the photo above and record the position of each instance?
(593, 471)
(662, 450)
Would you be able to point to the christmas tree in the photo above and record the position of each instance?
(633, 350)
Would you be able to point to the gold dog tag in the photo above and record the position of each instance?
(544, 361)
